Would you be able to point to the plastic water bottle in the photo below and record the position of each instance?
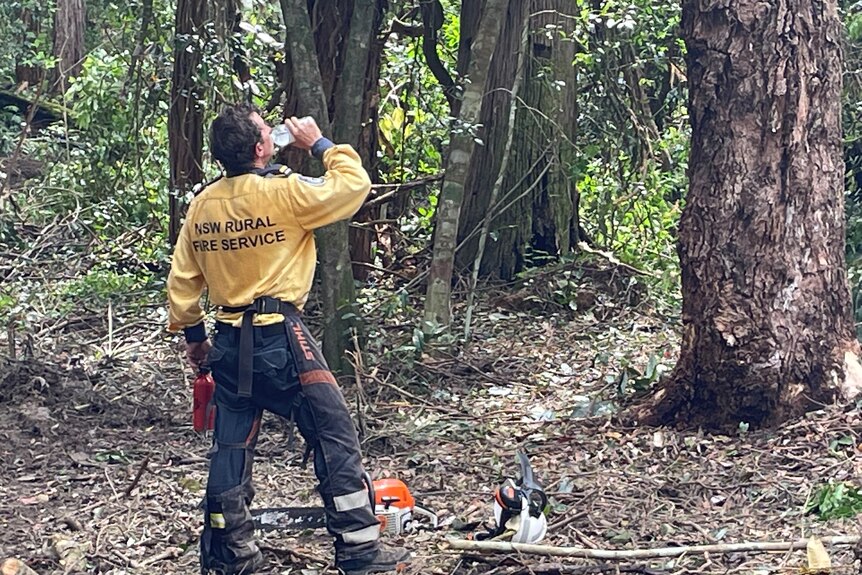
(281, 135)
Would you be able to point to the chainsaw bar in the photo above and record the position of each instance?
(288, 518)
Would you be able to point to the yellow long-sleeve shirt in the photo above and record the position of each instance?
(248, 236)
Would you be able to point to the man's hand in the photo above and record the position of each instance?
(305, 131)
(197, 351)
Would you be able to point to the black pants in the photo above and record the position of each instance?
(291, 379)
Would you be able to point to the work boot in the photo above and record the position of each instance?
(383, 560)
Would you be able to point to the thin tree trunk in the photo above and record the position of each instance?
(140, 42)
(227, 17)
(361, 239)
(463, 141)
(349, 98)
(766, 306)
(432, 21)
(185, 118)
(361, 68)
(336, 278)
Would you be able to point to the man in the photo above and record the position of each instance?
(248, 239)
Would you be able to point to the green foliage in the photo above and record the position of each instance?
(37, 301)
(99, 286)
(839, 444)
(835, 501)
(415, 118)
(10, 129)
(632, 380)
(633, 133)
(25, 45)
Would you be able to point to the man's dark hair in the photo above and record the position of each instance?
(233, 137)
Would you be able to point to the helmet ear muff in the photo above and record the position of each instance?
(508, 496)
(529, 527)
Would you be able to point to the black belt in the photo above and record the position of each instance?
(232, 333)
(263, 304)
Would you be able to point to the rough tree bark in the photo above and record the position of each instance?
(538, 207)
(68, 42)
(462, 143)
(767, 327)
(185, 118)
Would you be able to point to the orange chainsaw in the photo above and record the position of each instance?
(394, 506)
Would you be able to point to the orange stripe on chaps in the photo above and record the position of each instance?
(316, 376)
(252, 433)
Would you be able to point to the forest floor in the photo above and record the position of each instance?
(101, 472)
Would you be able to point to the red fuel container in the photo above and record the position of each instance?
(203, 408)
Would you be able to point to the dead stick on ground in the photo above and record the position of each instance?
(137, 478)
(169, 553)
(558, 569)
(547, 550)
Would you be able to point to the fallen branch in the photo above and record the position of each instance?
(584, 246)
(387, 192)
(169, 553)
(551, 551)
(559, 569)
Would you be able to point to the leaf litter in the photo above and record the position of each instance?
(102, 473)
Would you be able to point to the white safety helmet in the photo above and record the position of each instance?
(527, 521)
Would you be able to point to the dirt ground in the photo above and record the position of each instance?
(101, 472)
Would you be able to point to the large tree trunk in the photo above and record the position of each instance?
(766, 308)
(68, 42)
(185, 118)
(464, 133)
(538, 206)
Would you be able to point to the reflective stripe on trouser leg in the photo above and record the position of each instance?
(364, 535)
(350, 501)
